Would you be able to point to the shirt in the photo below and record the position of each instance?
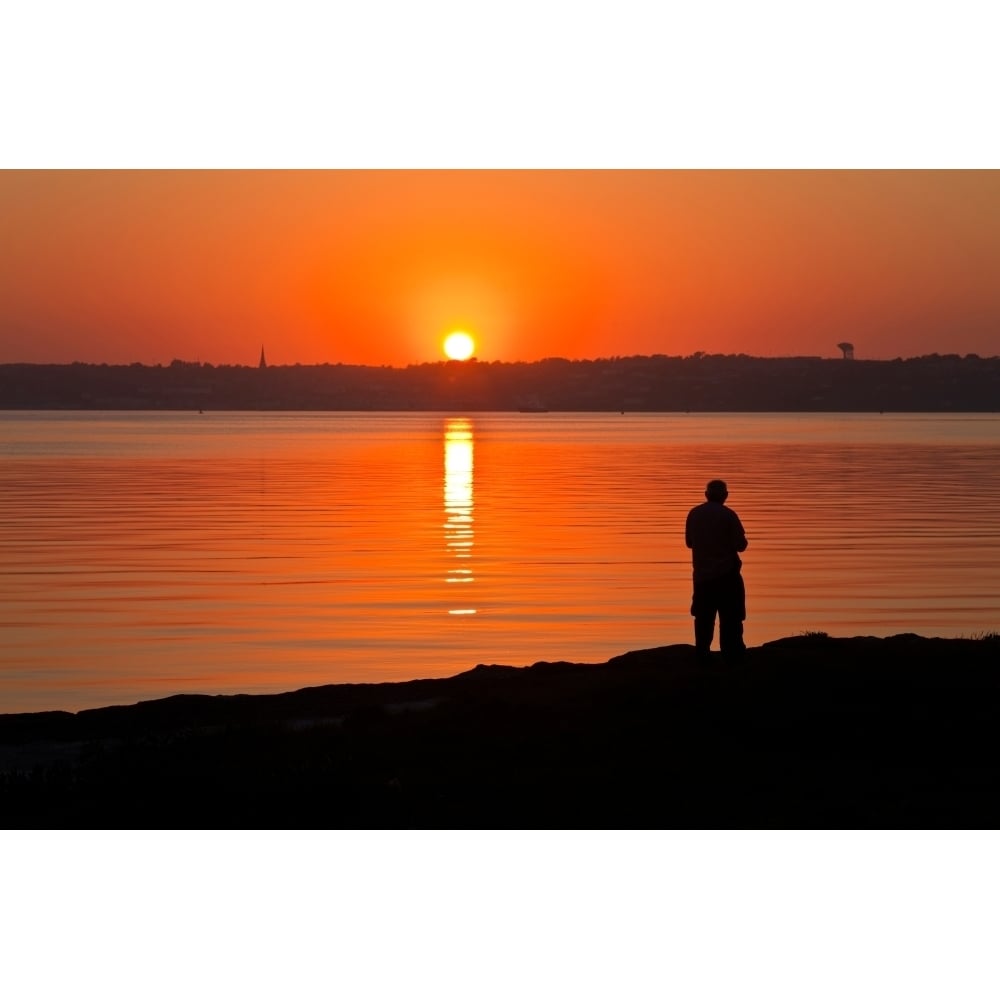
(714, 535)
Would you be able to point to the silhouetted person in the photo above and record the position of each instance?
(715, 537)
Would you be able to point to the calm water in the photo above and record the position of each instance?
(146, 554)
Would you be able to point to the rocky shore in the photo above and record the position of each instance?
(807, 732)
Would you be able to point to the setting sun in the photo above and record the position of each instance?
(459, 346)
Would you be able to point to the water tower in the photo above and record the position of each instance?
(848, 350)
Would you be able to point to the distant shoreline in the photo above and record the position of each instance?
(700, 383)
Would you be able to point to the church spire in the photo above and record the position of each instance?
(263, 360)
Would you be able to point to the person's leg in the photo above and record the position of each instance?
(732, 613)
(731, 636)
(703, 608)
(704, 632)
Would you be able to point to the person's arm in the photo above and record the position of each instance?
(739, 535)
(687, 532)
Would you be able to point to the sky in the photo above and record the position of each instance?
(375, 267)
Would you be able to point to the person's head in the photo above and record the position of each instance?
(717, 491)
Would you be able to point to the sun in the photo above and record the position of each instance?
(459, 346)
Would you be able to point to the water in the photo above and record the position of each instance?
(148, 554)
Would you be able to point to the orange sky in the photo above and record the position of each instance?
(375, 267)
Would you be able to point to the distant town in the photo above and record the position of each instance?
(656, 383)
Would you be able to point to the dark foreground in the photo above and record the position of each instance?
(807, 732)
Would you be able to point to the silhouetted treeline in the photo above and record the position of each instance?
(937, 383)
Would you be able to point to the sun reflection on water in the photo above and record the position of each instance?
(458, 503)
